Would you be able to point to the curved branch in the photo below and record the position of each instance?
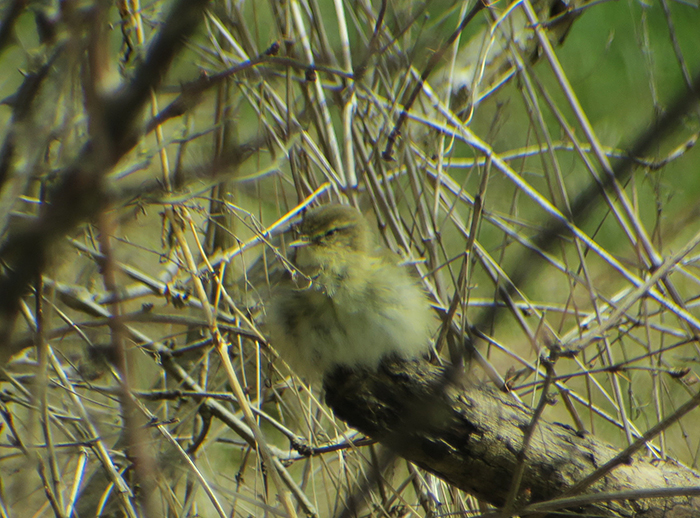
(472, 437)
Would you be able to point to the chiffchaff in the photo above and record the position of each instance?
(352, 306)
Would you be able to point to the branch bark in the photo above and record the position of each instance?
(472, 437)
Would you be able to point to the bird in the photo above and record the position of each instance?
(351, 304)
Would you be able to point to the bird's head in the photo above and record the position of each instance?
(331, 238)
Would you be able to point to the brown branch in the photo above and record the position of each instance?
(387, 154)
(79, 194)
(473, 438)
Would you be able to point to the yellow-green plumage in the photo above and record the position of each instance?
(359, 306)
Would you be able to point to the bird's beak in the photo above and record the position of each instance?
(298, 243)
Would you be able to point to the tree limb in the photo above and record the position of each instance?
(472, 437)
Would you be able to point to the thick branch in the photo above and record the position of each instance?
(472, 438)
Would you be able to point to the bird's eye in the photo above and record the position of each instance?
(330, 232)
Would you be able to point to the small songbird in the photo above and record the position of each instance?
(353, 305)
